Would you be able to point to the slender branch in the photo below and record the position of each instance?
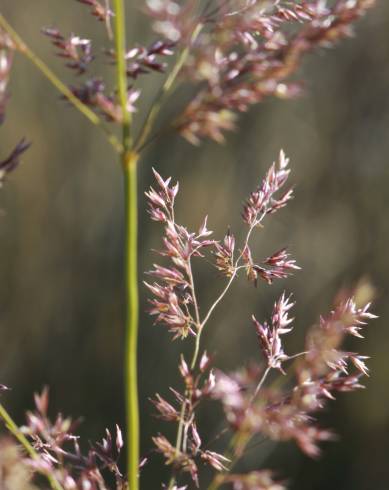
(193, 291)
(165, 89)
(58, 84)
(219, 479)
(181, 433)
(196, 349)
(172, 480)
(295, 356)
(236, 268)
(18, 434)
(220, 297)
(197, 317)
(260, 384)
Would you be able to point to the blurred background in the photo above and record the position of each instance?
(61, 306)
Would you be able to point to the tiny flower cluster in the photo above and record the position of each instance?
(75, 49)
(262, 201)
(277, 266)
(224, 255)
(270, 336)
(174, 301)
(93, 94)
(59, 454)
(324, 340)
(12, 160)
(102, 12)
(141, 60)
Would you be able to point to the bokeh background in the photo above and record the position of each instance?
(61, 307)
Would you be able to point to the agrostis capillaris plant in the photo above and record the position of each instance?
(231, 54)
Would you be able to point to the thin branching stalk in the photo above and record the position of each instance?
(197, 317)
(22, 47)
(260, 384)
(18, 434)
(129, 160)
(233, 276)
(164, 91)
(180, 438)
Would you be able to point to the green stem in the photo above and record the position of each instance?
(129, 160)
(21, 46)
(120, 48)
(132, 319)
(18, 434)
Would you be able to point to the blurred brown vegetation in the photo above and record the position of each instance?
(61, 239)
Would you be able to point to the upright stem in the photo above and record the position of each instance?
(132, 314)
(120, 48)
(129, 160)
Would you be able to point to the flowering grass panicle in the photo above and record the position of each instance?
(252, 407)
